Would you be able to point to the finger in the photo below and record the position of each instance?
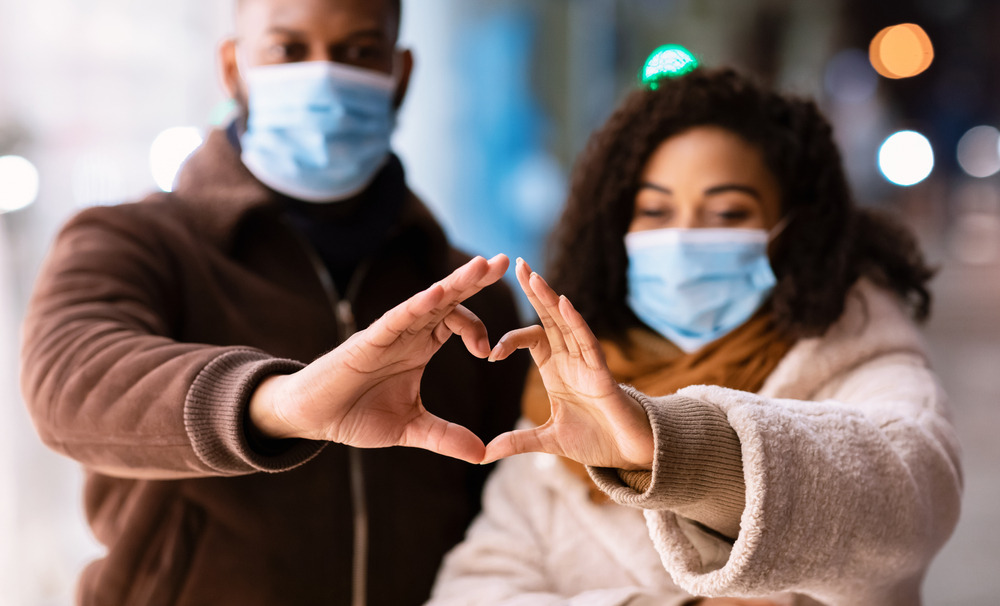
(437, 435)
(523, 273)
(550, 300)
(467, 325)
(465, 282)
(404, 316)
(532, 337)
(481, 274)
(590, 347)
(514, 443)
(433, 304)
(557, 342)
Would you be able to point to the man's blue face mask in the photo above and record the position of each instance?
(318, 131)
(694, 286)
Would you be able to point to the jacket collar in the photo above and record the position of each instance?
(219, 192)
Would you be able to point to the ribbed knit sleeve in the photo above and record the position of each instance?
(215, 411)
(697, 466)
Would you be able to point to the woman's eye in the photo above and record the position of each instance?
(652, 212)
(734, 215)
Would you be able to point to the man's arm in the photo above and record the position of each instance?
(107, 386)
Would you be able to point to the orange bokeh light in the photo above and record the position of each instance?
(901, 51)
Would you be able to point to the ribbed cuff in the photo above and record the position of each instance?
(217, 404)
(697, 465)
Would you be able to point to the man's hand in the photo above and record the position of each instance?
(592, 421)
(366, 393)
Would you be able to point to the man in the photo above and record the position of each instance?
(175, 347)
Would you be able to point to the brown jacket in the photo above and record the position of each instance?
(149, 327)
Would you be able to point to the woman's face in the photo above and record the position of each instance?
(706, 177)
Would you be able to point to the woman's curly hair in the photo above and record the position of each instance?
(827, 245)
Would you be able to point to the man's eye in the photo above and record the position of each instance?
(293, 51)
(358, 54)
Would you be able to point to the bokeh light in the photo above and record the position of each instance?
(18, 183)
(979, 151)
(849, 77)
(668, 61)
(906, 158)
(169, 151)
(223, 112)
(901, 51)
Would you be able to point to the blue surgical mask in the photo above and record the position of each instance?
(694, 286)
(318, 131)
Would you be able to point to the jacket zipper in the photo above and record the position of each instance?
(343, 311)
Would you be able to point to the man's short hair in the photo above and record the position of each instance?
(395, 5)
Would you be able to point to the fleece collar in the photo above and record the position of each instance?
(873, 324)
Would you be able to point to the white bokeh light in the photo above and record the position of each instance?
(169, 151)
(978, 152)
(18, 183)
(906, 158)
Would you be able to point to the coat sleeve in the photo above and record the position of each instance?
(847, 498)
(104, 382)
(503, 560)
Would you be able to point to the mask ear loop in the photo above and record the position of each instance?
(776, 231)
(241, 62)
(779, 227)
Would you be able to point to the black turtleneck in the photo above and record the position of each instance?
(347, 232)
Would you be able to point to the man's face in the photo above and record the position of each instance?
(361, 33)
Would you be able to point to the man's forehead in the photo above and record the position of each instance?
(367, 13)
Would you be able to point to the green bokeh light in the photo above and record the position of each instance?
(668, 61)
(223, 112)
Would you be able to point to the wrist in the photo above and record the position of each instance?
(641, 447)
(262, 414)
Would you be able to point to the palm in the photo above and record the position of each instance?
(366, 393)
(593, 421)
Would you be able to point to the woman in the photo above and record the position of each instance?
(779, 425)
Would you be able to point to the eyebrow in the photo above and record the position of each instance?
(728, 187)
(365, 33)
(711, 191)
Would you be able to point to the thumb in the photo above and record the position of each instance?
(513, 443)
(449, 439)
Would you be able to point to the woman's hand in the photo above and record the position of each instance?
(366, 392)
(733, 602)
(593, 421)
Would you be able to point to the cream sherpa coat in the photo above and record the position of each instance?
(851, 477)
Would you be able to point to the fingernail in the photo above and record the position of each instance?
(519, 261)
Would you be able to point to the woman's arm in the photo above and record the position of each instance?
(848, 498)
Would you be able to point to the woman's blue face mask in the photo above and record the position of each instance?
(318, 131)
(694, 286)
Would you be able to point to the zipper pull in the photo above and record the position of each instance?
(345, 315)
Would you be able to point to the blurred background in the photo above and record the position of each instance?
(101, 101)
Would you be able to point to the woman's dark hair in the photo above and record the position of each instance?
(827, 245)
